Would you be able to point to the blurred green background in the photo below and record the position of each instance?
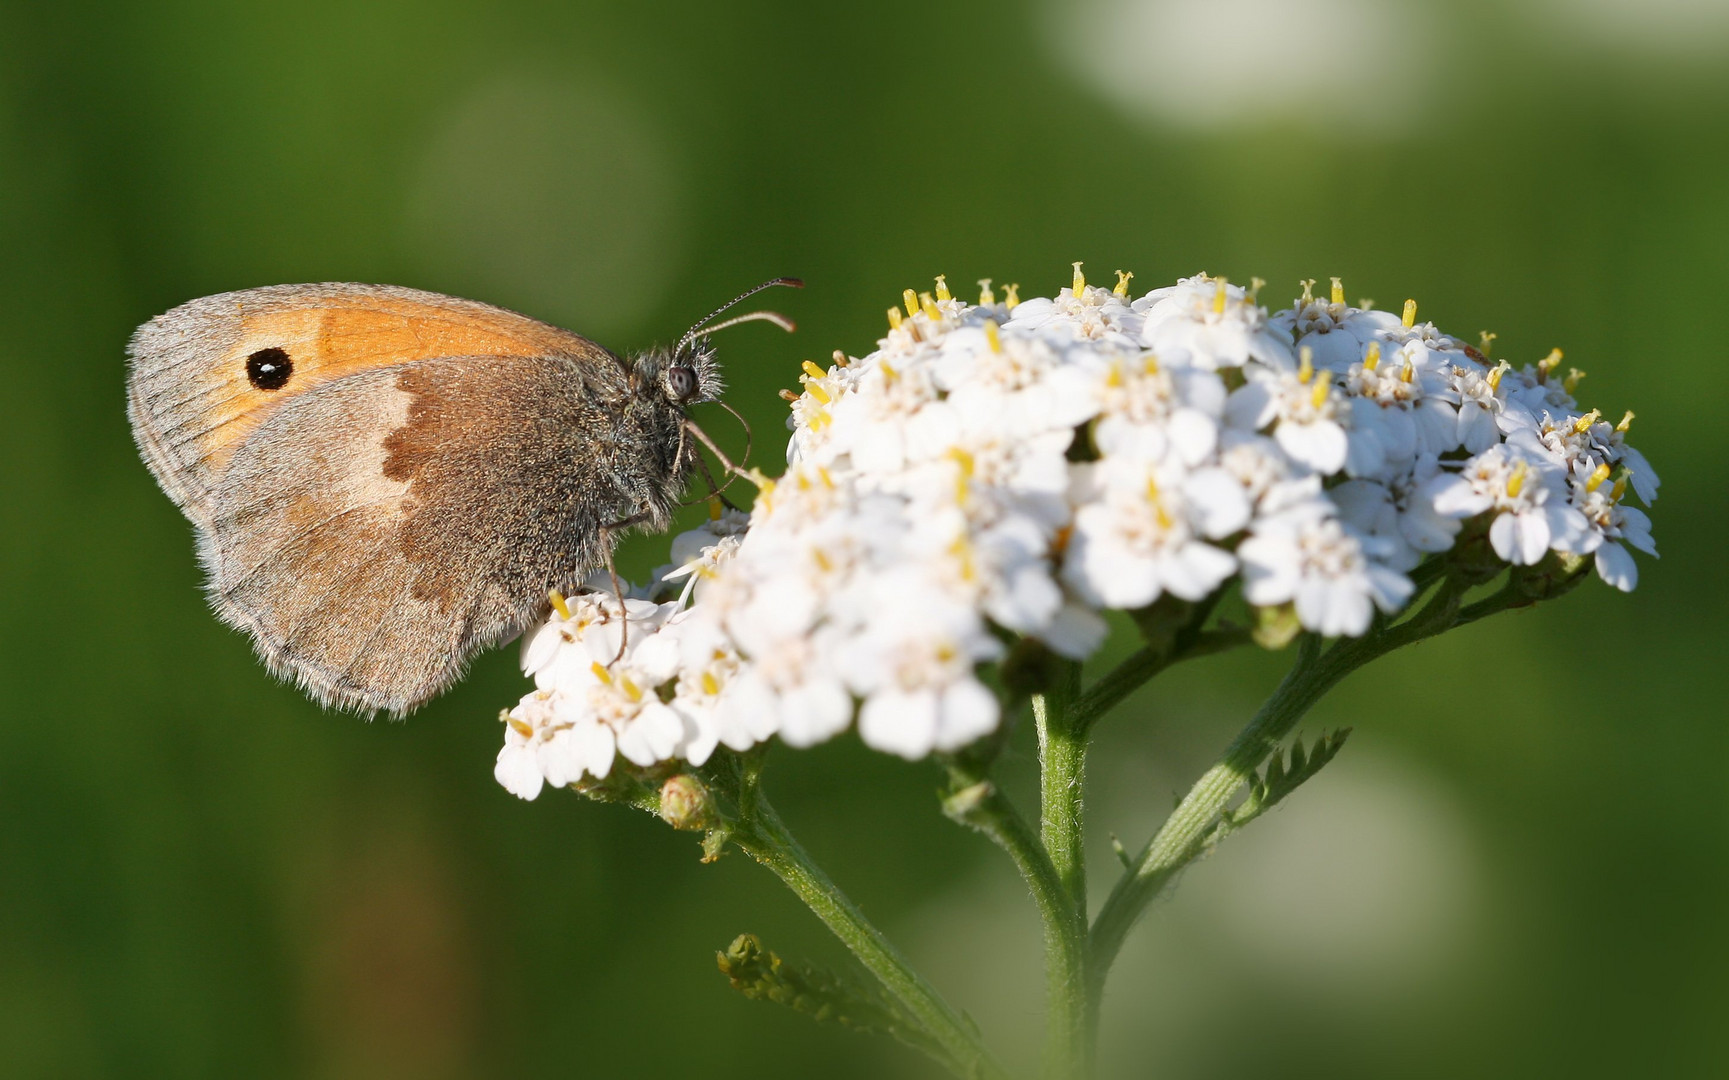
(1517, 867)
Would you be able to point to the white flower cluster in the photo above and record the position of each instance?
(1016, 467)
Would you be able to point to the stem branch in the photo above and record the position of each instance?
(765, 838)
(1185, 833)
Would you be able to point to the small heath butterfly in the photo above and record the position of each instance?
(385, 481)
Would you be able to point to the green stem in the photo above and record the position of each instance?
(1185, 833)
(1117, 684)
(766, 839)
(1062, 780)
(977, 802)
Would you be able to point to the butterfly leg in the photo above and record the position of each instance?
(606, 532)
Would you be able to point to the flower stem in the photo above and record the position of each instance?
(976, 801)
(766, 839)
(1062, 767)
(1185, 834)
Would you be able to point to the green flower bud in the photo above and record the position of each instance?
(685, 803)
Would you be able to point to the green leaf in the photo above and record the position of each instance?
(821, 995)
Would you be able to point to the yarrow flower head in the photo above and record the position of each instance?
(1011, 470)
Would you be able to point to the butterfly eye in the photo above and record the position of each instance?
(681, 381)
(268, 369)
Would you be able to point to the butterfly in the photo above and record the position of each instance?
(384, 482)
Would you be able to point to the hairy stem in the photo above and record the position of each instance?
(976, 802)
(1062, 785)
(765, 838)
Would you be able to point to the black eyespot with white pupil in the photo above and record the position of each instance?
(269, 369)
(681, 381)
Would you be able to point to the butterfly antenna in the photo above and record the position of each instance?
(781, 321)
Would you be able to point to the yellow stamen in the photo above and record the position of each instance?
(710, 684)
(894, 318)
(1516, 482)
(601, 673)
(819, 419)
(1372, 358)
(1308, 296)
(1306, 364)
(1410, 316)
(823, 562)
(888, 370)
(631, 690)
(822, 474)
(993, 337)
(1485, 340)
(1164, 519)
(1220, 296)
(1150, 364)
(986, 296)
(558, 604)
(815, 390)
(963, 553)
(964, 474)
(1318, 396)
(1626, 422)
(911, 300)
(1583, 424)
(1123, 278)
(943, 288)
(1339, 293)
(521, 727)
(1255, 286)
(929, 306)
(1114, 377)
(1547, 364)
(1012, 295)
(1598, 475)
(1080, 283)
(1619, 489)
(1501, 369)
(715, 508)
(1408, 372)
(813, 371)
(1571, 382)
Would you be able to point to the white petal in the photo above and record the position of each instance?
(595, 747)
(1217, 501)
(969, 711)
(1197, 570)
(1076, 632)
(899, 723)
(1321, 445)
(1250, 407)
(1615, 566)
(1194, 434)
(558, 759)
(518, 772)
(818, 710)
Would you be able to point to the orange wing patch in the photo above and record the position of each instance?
(192, 402)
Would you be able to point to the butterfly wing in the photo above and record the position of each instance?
(192, 402)
(386, 513)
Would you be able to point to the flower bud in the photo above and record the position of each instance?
(1556, 575)
(685, 803)
(1276, 626)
